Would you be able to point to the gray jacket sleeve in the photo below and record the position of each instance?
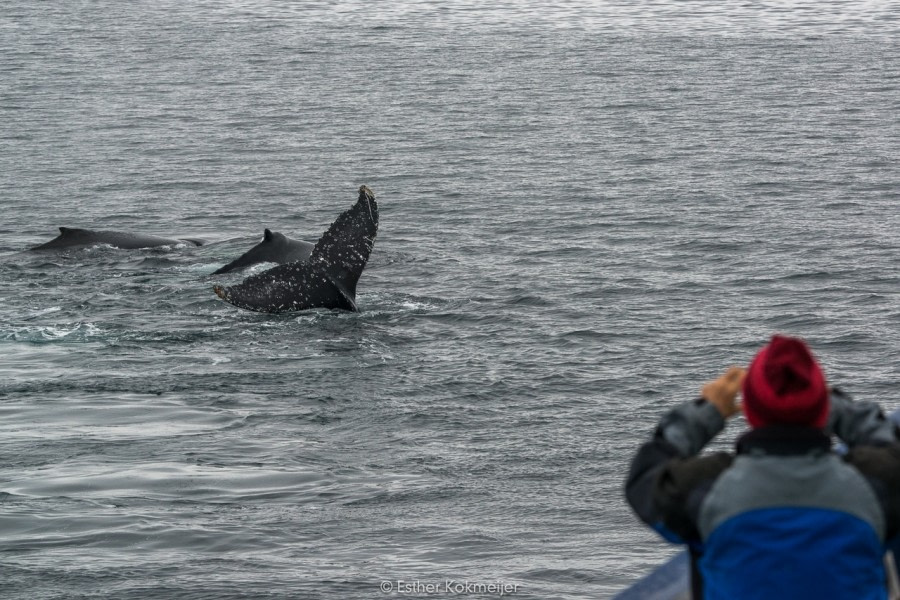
(690, 426)
(858, 423)
(666, 469)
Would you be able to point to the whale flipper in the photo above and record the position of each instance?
(275, 247)
(72, 237)
(328, 279)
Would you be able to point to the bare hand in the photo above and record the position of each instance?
(722, 392)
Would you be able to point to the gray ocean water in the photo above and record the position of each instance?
(587, 210)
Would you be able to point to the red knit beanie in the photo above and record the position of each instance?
(784, 384)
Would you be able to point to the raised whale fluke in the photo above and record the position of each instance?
(327, 279)
(71, 237)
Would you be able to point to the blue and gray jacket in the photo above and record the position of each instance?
(783, 518)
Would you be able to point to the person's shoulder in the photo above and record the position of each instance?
(880, 462)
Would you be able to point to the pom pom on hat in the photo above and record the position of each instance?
(784, 385)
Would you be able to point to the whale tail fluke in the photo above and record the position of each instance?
(328, 279)
(344, 249)
(285, 288)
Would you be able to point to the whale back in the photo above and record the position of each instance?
(72, 237)
(68, 238)
(328, 279)
(275, 247)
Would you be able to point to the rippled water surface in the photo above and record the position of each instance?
(586, 211)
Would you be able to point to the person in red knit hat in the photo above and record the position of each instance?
(784, 384)
(783, 517)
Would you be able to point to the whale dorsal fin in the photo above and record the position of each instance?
(71, 231)
(267, 234)
(344, 249)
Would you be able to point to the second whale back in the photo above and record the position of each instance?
(274, 248)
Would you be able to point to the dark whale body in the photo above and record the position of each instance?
(327, 279)
(82, 238)
(275, 247)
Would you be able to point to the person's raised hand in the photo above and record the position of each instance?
(722, 392)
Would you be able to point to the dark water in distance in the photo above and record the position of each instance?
(586, 212)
